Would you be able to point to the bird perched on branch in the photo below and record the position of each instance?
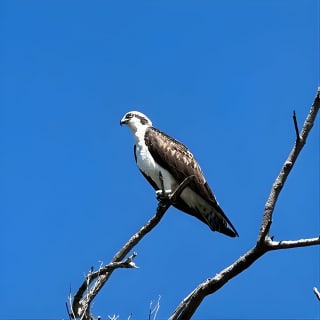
(165, 163)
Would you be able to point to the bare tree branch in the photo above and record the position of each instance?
(188, 306)
(88, 290)
(80, 305)
(275, 245)
(154, 309)
(94, 281)
(286, 168)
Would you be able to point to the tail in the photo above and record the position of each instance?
(209, 212)
(218, 221)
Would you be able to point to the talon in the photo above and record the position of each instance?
(161, 195)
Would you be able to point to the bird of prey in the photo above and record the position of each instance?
(161, 157)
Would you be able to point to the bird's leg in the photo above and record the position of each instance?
(162, 194)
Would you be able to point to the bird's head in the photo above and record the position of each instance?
(135, 120)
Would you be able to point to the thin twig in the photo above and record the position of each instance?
(85, 292)
(296, 125)
(180, 188)
(154, 310)
(316, 292)
(162, 183)
(68, 311)
(288, 244)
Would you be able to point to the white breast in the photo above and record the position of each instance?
(149, 167)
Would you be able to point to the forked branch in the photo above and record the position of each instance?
(287, 167)
(189, 305)
(94, 281)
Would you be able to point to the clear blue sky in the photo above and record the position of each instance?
(223, 77)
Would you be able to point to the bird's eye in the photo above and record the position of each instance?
(129, 115)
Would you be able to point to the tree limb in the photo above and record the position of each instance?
(88, 290)
(189, 305)
(275, 245)
(286, 169)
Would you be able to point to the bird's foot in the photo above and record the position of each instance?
(163, 195)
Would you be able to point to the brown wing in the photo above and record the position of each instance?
(179, 161)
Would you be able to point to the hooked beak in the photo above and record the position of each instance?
(122, 121)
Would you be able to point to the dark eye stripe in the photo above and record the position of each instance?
(143, 120)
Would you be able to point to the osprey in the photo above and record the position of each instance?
(158, 154)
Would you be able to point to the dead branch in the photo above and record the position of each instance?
(154, 309)
(189, 305)
(286, 169)
(275, 245)
(94, 281)
(88, 290)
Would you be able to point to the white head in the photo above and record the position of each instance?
(136, 121)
